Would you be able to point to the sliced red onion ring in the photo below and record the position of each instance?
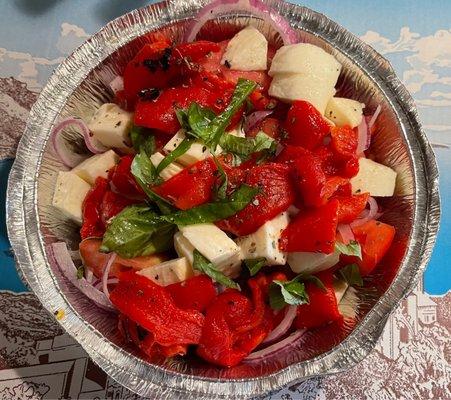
(254, 118)
(346, 233)
(106, 273)
(283, 345)
(364, 137)
(283, 327)
(372, 121)
(117, 84)
(61, 255)
(255, 7)
(367, 215)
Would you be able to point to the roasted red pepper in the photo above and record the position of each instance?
(322, 308)
(92, 221)
(123, 182)
(312, 230)
(112, 204)
(152, 307)
(191, 187)
(350, 207)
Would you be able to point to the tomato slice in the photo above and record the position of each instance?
(152, 307)
(312, 230)
(375, 238)
(195, 293)
(305, 126)
(191, 187)
(322, 308)
(275, 196)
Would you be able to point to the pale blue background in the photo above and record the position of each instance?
(34, 27)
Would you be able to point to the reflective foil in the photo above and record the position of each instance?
(80, 84)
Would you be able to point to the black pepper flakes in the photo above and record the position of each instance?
(149, 94)
(227, 64)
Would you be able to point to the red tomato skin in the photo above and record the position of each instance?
(92, 223)
(305, 126)
(350, 207)
(312, 230)
(375, 239)
(152, 307)
(191, 187)
(195, 293)
(276, 196)
(323, 307)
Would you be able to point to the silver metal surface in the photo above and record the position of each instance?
(80, 84)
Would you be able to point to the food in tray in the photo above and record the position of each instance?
(229, 205)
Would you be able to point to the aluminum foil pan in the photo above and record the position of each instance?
(80, 84)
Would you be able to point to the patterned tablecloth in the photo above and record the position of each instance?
(412, 359)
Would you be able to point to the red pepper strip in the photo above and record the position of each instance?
(123, 182)
(258, 312)
(305, 126)
(344, 141)
(92, 223)
(190, 187)
(112, 204)
(350, 207)
(312, 230)
(151, 306)
(322, 308)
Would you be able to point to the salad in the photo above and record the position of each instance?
(228, 200)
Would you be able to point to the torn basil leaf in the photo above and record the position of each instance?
(202, 264)
(181, 149)
(287, 293)
(351, 274)
(142, 138)
(220, 188)
(255, 264)
(244, 147)
(351, 249)
(80, 272)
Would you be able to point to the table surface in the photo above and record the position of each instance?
(412, 359)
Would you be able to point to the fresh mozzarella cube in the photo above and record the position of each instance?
(344, 111)
(340, 286)
(169, 272)
(311, 263)
(96, 166)
(216, 246)
(374, 178)
(306, 59)
(70, 191)
(290, 87)
(183, 247)
(171, 170)
(265, 241)
(246, 51)
(111, 125)
(197, 152)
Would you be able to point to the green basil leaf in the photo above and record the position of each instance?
(181, 149)
(80, 271)
(244, 147)
(315, 280)
(283, 293)
(199, 120)
(137, 231)
(142, 138)
(220, 189)
(182, 117)
(255, 264)
(202, 264)
(215, 211)
(351, 274)
(351, 249)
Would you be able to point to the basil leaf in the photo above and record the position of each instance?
(199, 120)
(351, 274)
(182, 117)
(220, 189)
(315, 280)
(244, 147)
(351, 249)
(283, 293)
(255, 264)
(200, 263)
(215, 211)
(80, 271)
(142, 138)
(181, 149)
(137, 231)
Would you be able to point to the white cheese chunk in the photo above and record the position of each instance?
(169, 272)
(197, 152)
(70, 191)
(96, 166)
(310, 263)
(340, 286)
(265, 241)
(111, 125)
(374, 178)
(247, 51)
(308, 60)
(290, 87)
(213, 244)
(171, 170)
(344, 111)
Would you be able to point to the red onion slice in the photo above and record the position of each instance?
(254, 118)
(117, 84)
(346, 233)
(367, 215)
(283, 327)
(275, 348)
(372, 121)
(106, 273)
(62, 258)
(364, 137)
(255, 7)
